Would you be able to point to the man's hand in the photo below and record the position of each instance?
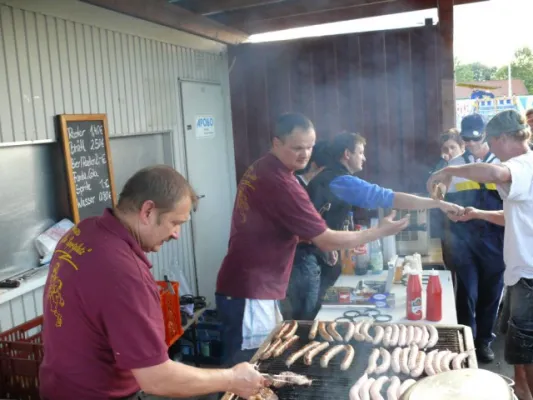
(469, 214)
(359, 251)
(332, 258)
(440, 177)
(388, 226)
(246, 380)
(451, 209)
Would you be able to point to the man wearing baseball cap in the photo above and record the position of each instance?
(476, 247)
(508, 136)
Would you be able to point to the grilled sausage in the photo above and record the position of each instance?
(418, 335)
(395, 335)
(378, 335)
(375, 389)
(332, 330)
(350, 330)
(410, 334)
(457, 362)
(372, 362)
(270, 350)
(437, 361)
(283, 330)
(425, 338)
(385, 362)
(348, 358)
(433, 336)
(404, 386)
(395, 360)
(308, 358)
(392, 391)
(446, 361)
(328, 355)
(358, 326)
(285, 345)
(323, 332)
(291, 331)
(364, 392)
(428, 368)
(298, 354)
(402, 341)
(364, 330)
(387, 336)
(314, 329)
(420, 364)
(354, 390)
(413, 354)
(404, 360)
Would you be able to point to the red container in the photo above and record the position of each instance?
(21, 353)
(414, 297)
(434, 298)
(170, 304)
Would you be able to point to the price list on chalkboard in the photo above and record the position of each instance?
(86, 145)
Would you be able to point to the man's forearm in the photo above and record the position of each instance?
(337, 240)
(406, 201)
(481, 172)
(495, 217)
(180, 380)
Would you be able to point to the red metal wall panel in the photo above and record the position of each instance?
(384, 85)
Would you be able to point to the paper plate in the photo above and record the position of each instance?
(464, 384)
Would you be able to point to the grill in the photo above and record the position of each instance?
(332, 383)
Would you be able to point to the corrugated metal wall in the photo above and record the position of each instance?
(51, 66)
(385, 85)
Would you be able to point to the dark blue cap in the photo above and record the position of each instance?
(472, 127)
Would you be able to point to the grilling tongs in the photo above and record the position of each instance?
(273, 379)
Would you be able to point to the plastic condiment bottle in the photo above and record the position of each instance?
(414, 297)
(434, 297)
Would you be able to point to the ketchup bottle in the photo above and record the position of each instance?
(414, 297)
(434, 297)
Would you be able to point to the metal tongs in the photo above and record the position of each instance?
(273, 378)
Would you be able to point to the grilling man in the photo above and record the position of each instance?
(272, 213)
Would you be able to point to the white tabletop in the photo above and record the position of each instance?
(398, 313)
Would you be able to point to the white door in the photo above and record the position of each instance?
(210, 174)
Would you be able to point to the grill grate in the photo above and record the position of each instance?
(332, 383)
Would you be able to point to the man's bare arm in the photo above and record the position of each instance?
(173, 379)
(481, 172)
(495, 217)
(331, 240)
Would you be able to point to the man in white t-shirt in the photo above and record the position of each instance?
(508, 135)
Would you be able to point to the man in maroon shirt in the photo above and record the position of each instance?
(103, 325)
(272, 212)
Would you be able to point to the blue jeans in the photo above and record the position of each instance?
(479, 265)
(304, 286)
(231, 313)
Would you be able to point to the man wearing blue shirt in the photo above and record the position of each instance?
(337, 185)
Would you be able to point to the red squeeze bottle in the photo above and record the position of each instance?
(434, 297)
(414, 297)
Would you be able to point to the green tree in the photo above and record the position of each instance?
(521, 68)
(473, 72)
(463, 72)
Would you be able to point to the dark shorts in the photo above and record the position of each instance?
(517, 322)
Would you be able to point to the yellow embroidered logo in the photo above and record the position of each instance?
(245, 186)
(72, 248)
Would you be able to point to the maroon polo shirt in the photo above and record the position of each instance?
(102, 314)
(272, 212)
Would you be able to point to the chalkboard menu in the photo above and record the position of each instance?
(88, 162)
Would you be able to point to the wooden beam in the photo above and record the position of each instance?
(210, 7)
(448, 111)
(163, 13)
(294, 14)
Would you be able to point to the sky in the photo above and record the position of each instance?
(488, 32)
